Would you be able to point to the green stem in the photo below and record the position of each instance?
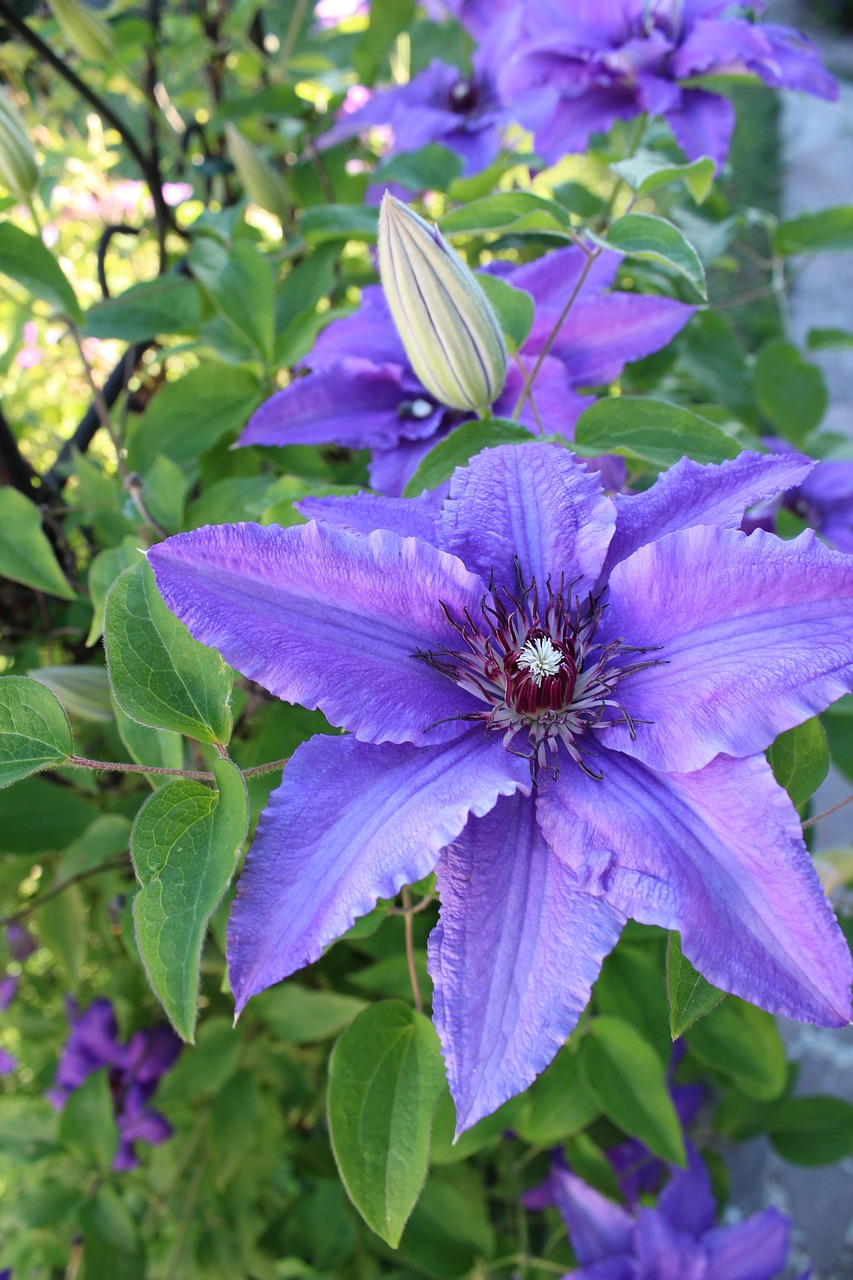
(199, 775)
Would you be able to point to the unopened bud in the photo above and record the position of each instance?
(18, 169)
(445, 322)
(260, 181)
(84, 30)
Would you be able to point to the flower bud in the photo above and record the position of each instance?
(260, 181)
(445, 322)
(84, 30)
(18, 169)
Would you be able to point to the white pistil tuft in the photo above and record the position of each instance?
(541, 658)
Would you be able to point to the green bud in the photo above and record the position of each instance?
(18, 169)
(445, 322)
(260, 181)
(84, 30)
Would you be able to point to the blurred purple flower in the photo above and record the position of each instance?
(8, 987)
(677, 1238)
(559, 702)
(823, 500)
(479, 17)
(441, 104)
(363, 393)
(134, 1072)
(7, 1063)
(576, 66)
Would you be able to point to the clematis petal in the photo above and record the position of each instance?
(718, 855)
(530, 507)
(355, 403)
(665, 1253)
(349, 824)
(703, 125)
(552, 280)
(601, 334)
(513, 958)
(364, 512)
(328, 618)
(597, 1227)
(753, 1250)
(753, 636)
(687, 1201)
(690, 493)
(369, 331)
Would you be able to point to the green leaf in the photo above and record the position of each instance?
(799, 759)
(504, 211)
(87, 1125)
(303, 1016)
(169, 304)
(38, 815)
(328, 222)
(432, 168)
(64, 921)
(236, 1120)
(653, 239)
(627, 1079)
(388, 18)
(650, 432)
(204, 1068)
(742, 1043)
(24, 258)
(83, 691)
(103, 571)
(385, 1080)
(446, 1148)
(690, 995)
(240, 284)
(185, 843)
(820, 339)
(192, 414)
(791, 391)
(107, 837)
(648, 170)
(630, 986)
(813, 1130)
(513, 307)
(457, 449)
(25, 553)
(111, 1244)
(830, 229)
(160, 675)
(34, 729)
(557, 1104)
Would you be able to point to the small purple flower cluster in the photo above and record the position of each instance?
(134, 1072)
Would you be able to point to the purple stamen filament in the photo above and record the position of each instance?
(539, 672)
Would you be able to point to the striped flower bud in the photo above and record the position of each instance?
(84, 30)
(260, 181)
(18, 169)
(445, 322)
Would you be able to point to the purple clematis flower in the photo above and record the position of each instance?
(441, 104)
(580, 65)
(677, 1238)
(134, 1071)
(556, 700)
(479, 17)
(363, 393)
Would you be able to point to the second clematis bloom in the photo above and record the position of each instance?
(559, 702)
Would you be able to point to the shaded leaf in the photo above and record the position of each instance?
(25, 553)
(645, 236)
(34, 729)
(185, 843)
(791, 391)
(829, 229)
(799, 759)
(652, 432)
(24, 258)
(625, 1076)
(813, 1130)
(192, 414)
(505, 210)
(690, 995)
(169, 304)
(742, 1043)
(385, 1080)
(160, 675)
(514, 308)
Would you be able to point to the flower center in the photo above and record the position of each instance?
(463, 97)
(540, 672)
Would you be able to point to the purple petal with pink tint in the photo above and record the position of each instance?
(328, 618)
(351, 823)
(750, 636)
(513, 957)
(717, 855)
